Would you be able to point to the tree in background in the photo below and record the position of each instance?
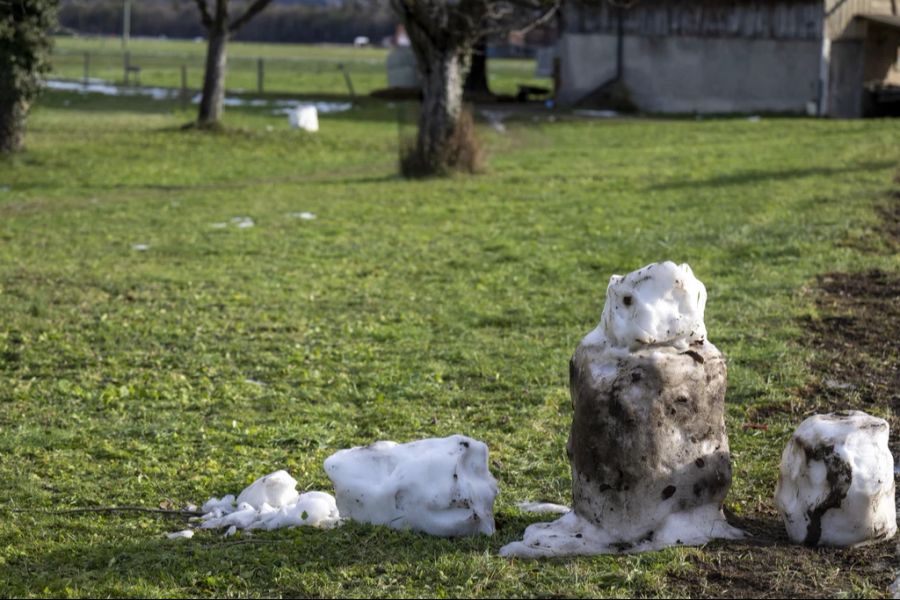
(25, 27)
(219, 28)
(443, 34)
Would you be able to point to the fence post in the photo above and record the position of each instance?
(347, 80)
(127, 63)
(260, 75)
(87, 67)
(184, 88)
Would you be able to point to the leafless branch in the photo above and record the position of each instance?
(542, 19)
(253, 10)
(205, 16)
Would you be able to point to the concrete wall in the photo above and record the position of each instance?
(693, 74)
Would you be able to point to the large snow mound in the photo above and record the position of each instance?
(661, 304)
(440, 486)
(271, 502)
(836, 485)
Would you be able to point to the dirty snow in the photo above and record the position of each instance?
(647, 360)
(440, 486)
(836, 485)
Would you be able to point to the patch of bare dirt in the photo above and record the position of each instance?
(856, 342)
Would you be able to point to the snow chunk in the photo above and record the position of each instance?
(305, 117)
(441, 486)
(271, 502)
(275, 489)
(661, 304)
(836, 486)
(543, 507)
(184, 534)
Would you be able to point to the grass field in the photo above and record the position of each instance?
(405, 310)
(288, 68)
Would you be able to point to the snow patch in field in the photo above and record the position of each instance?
(304, 216)
(242, 222)
(184, 534)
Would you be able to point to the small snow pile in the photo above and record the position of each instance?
(304, 216)
(440, 486)
(648, 446)
(836, 486)
(271, 502)
(304, 117)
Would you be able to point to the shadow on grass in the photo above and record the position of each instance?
(768, 565)
(260, 562)
(757, 176)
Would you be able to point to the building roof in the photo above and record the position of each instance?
(892, 21)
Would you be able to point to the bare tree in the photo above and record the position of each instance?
(443, 34)
(219, 29)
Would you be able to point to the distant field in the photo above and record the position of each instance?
(288, 68)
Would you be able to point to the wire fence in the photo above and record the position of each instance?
(318, 74)
(244, 74)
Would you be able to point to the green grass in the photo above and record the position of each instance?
(405, 310)
(288, 68)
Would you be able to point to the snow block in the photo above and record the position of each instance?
(836, 485)
(441, 486)
(648, 447)
(304, 117)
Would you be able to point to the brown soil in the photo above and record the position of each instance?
(856, 342)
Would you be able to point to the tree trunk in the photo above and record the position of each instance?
(214, 78)
(477, 81)
(12, 126)
(446, 138)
